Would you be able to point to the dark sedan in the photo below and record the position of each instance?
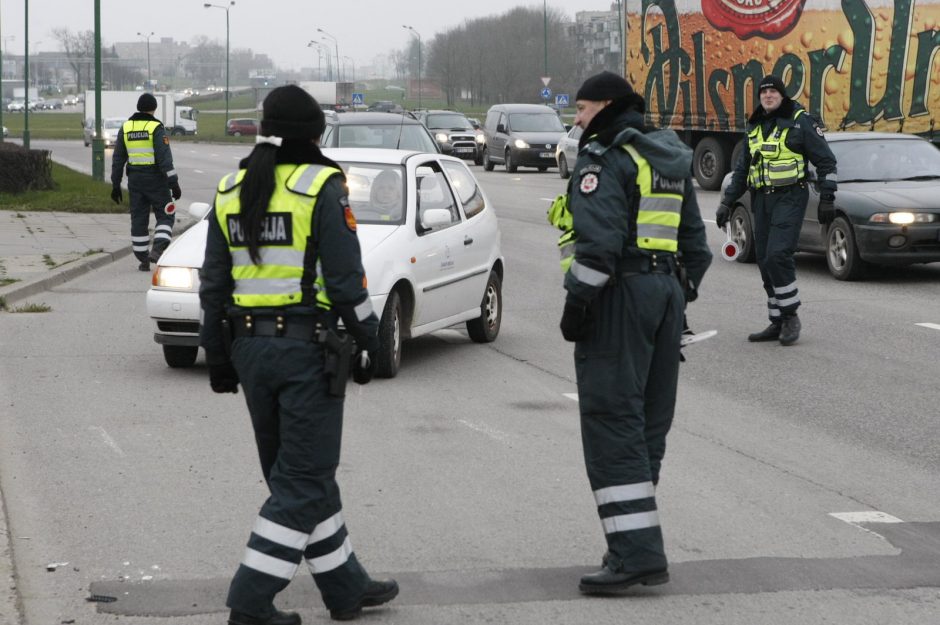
(887, 206)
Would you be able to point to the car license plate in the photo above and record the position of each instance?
(463, 150)
(546, 155)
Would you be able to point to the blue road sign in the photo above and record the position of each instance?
(546, 93)
(358, 98)
(561, 100)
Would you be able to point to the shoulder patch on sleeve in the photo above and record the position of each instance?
(819, 131)
(347, 211)
(166, 140)
(593, 167)
(589, 182)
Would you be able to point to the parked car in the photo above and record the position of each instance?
(521, 135)
(241, 126)
(52, 104)
(454, 134)
(887, 208)
(109, 130)
(431, 249)
(385, 106)
(377, 130)
(566, 154)
(6, 132)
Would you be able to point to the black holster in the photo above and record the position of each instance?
(227, 337)
(338, 351)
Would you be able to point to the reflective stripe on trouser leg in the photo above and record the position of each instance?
(335, 568)
(779, 267)
(140, 223)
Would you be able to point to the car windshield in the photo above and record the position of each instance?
(398, 136)
(535, 122)
(448, 120)
(113, 123)
(896, 159)
(376, 192)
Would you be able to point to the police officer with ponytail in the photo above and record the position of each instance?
(781, 137)
(282, 266)
(633, 211)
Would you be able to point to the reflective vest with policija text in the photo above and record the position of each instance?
(657, 219)
(773, 164)
(138, 139)
(278, 279)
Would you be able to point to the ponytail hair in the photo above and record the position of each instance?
(255, 195)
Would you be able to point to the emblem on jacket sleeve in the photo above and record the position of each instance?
(589, 182)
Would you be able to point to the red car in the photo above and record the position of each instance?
(239, 127)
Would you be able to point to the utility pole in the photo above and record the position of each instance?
(97, 142)
(418, 35)
(26, 77)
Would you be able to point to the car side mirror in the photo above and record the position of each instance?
(434, 217)
(501, 128)
(567, 127)
(199, 209)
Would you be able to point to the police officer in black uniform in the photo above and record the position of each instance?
(781, 137)
(282, 265)
(144, 147)
(634, 209)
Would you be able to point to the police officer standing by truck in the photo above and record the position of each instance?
(633, 211)
(781, 137)
(282, 266)
(144, 147)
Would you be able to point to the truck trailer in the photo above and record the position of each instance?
(853, 64)
(178, 120)
(330, 95)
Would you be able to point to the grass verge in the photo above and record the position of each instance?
(74, 193)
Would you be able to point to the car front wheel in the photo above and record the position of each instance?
(842, 255)
(180, 356)
(487, 163)
(389, 356)
(563, 167)
(485, 328)
(510, 165)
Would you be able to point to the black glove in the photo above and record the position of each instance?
(575, 322)
(364, 369)
(223, 378)
(826, 212)
(175, 190)
(723, 215)
(116, 194)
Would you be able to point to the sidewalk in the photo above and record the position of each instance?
(40, 250)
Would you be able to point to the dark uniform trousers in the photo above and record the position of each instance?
(148, 192)
(298, 430)
(627, 373)
(778, 217)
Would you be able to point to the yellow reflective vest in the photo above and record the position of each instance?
(660, 209)
(278, 278)
(773, 164)
(138, 139)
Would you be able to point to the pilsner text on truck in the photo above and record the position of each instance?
(853, 64)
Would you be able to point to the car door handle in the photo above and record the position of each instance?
(467, 240)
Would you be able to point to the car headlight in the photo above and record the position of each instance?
(173, 278)
(481, 139)
(441, 137)
(903, 218)
(519, 143)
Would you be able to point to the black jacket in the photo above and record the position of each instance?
(161, 153)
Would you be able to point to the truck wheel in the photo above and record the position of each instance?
(710, 163)
(176, 132)
(739, 147)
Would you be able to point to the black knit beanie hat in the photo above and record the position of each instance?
(147, 103)
(290, 112)
(604, 86)
(772, 82)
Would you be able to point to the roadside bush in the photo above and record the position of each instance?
(24, 170)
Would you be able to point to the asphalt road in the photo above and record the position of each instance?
(463, 477)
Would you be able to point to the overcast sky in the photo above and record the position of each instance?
(279, 28)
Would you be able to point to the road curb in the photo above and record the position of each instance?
(19, 291)
(10, 607)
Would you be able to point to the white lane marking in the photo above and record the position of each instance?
(492, 432)
(107, 439)
(868, 516)
(547, 199)
(572, 396)
(932, 326)
(199, 171)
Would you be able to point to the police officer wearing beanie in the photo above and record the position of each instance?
(633, 212)
(143, 146)
(282, 266)
(781, 137)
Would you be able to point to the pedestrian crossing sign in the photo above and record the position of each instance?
(358, 98)
(561, 100)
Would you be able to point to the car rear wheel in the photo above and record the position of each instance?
(842, 255)
(487, 163)
(742, 232)
(563, 167)
(389, 356)
(485, 328)
(180, 356)
(510, 165)
(236, 134)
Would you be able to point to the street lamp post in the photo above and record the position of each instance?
(26, 76)
(147, 37)
(545, 31)
(335, 43)
(224, 8)
(418, 35)
(311, 44)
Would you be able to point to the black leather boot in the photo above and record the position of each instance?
(609, 582)
(144, 265)
(278, 618)
(790, 330)
(770, 333)
(376, 593)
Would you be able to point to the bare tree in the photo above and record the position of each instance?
(79, 50)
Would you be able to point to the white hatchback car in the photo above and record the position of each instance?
(430, 244)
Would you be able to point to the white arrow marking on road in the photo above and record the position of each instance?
(932, 326)
(107, 439)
